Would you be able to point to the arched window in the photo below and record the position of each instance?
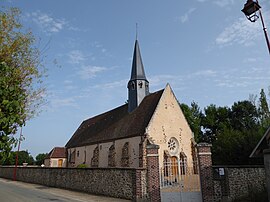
(94, 160)
(125, 155)
(183, 163)
(194, 159)
(111, 156)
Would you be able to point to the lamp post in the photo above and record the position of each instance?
(250, 10)
(17, 157)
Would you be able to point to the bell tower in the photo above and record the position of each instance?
(138, 86)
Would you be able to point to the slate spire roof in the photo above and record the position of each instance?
(137, 71)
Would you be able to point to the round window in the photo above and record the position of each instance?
(173, 145)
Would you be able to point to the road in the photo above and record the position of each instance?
(11, 191)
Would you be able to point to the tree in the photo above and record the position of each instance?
(40, 158)
(214, 121)
(263, 110)
(20, 78)
(193, 116)
(244, 116)
(23, 157)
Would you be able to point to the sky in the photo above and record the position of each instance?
(205, 49)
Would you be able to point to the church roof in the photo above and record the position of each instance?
(137, 71)
(116, 124)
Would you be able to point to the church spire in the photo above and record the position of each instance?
(138, 86)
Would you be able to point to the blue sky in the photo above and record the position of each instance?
(206, 49)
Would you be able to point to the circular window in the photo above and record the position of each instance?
(173, 145)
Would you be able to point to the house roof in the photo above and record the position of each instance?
(116, 124)
(262, 144)
(57, 152)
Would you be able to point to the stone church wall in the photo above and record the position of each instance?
(168, 125)
(113, 182)
(237, 181)
(84, 154)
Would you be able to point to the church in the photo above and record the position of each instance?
(118, 138)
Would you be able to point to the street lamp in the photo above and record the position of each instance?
(250, 10)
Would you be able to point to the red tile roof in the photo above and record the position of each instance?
(116, 124)
(58, 152)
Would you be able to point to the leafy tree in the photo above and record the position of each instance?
(214, 121)
(23, 157)
(20, 78)
(40, 158)
(233, 131)
(193, 116)
(263, 110)
(244, 116)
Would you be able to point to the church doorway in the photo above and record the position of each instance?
(178, 181)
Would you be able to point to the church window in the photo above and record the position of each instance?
(78, 153)
(173, 146)
(125, 155)
(183, 163)
(111, 156)
(72, 157)
(140, 84)
(84, 156)
(95, 158)
(133, 85)
(194, 158)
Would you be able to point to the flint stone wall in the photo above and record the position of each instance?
(238, 181)
(113, 182)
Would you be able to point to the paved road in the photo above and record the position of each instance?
(11, 191)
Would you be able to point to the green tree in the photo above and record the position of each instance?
(193, 116)
(214, 121)
(244, 116)
(20, 78)
(40, 158)
(263, 110)
(23, 157)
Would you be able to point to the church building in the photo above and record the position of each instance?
(118, 138)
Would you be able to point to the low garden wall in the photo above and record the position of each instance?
(114, 182)
(234, 182)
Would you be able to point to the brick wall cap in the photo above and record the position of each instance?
(204, 144)
(152, 146)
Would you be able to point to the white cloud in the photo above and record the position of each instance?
(88, 72)
(113, 84)
(221, 3)
(205, 73)
(184, 18)
(49, 24)
(241, 31)
(76, 57)
(63, 102)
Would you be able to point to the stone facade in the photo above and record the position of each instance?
(113, 182)
(141, 184)
(233, 182)
(86, 154)
(169, 129)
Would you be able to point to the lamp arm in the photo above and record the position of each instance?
(265, 31)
